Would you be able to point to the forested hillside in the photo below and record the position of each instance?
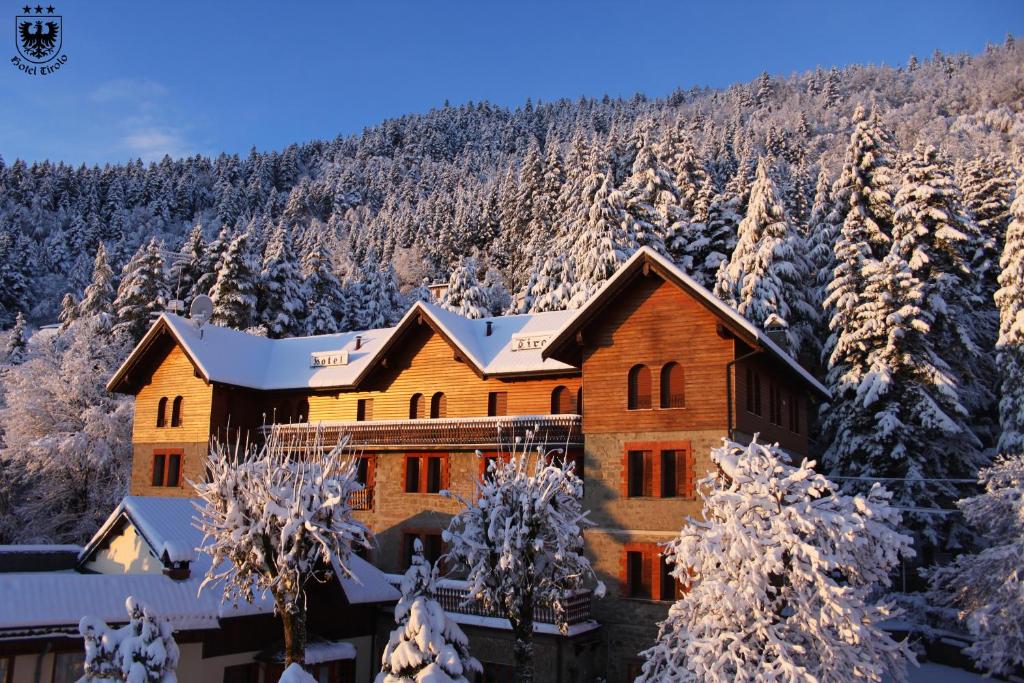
(863, 210)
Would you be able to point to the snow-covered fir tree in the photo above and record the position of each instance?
(234, 293)
(323, 291)
(651, 200)
(1010, 346)
(465, 295)
(986, 587)
(520, 540)
(603, 245)
(988, 189)
(17, 340)
(187, 267)
(276, 520)
(141, 293)
(780, 576)
(551, 287)
(427, 645)
(142, 651)
(282, 303)
(765, 276)
(68, 311)
(98, 300)
(210, 263)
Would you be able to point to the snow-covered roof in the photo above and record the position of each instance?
(164, 523)
(367, 583)
(674, 274)
(232, 357)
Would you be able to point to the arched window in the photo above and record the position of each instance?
(639, 388)
(176, 411)
(161, 412)
(416, 411)
(579, 401)
(673, 394)
(302, 410)
(438, 405)
(559, 400)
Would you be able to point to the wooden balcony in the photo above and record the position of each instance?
(362, 500)
(549, 431)
(453, 595)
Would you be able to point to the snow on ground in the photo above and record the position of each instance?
(936, 673)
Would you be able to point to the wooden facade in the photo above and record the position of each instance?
(655, 370)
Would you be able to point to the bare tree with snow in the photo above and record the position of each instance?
(277, 519)
(521, 540)
(779, 575)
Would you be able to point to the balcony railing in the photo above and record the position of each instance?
(550, 431)
(361, 500)
(452, 595)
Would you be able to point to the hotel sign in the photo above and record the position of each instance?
(327, 359)
(529, 342)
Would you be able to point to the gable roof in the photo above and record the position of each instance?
(228, 356)
(646, 259)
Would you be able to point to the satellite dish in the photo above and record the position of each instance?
(201, 309)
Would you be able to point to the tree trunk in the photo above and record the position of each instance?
(294, 622)
(522, 629)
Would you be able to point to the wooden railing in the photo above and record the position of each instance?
(361, 500)
(550, 431)
(452, 595)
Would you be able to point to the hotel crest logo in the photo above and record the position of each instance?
(39, 36)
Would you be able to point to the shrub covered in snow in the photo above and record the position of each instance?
(427, 646)
(988, 587)
(276, 519)
(521, 540)
(143, 651)
(779, 577)
(296, 674)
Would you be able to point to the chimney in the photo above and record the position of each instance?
(359, 341)
(776, 329)
(490, 328)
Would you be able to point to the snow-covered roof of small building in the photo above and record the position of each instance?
(233, 357)
(165, 523)
(673, 273)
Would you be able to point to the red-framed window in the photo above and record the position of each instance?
(646, 575)
(425, 472)
(658, 469)
(639, 388)
(485, 462)
(497, 403)
(168, 466)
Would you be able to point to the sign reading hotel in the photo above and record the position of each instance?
(327, 359)
(529, 342)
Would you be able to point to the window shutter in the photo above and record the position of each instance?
(648, 474)
(643, 387)
(646, 575)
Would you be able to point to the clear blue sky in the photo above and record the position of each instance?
(148, 78)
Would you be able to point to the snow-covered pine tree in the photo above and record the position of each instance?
(465, 295)
(988, 189)
(522, 556)
(707, 243)
(187, 268)
(780, 576)
(928, 207)
(427, 645)
(260, 540)
(323, 292)
(1010, 345)
(142, 651)
(986, 586)
(651, 200)
(17, 340)
(98, 300)
(603, 245)
(234, 293)
(764, 277)
(551, 287)
(210, 263)
(821, 238)
(68, 311)
(141, 293)
(282, 302)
